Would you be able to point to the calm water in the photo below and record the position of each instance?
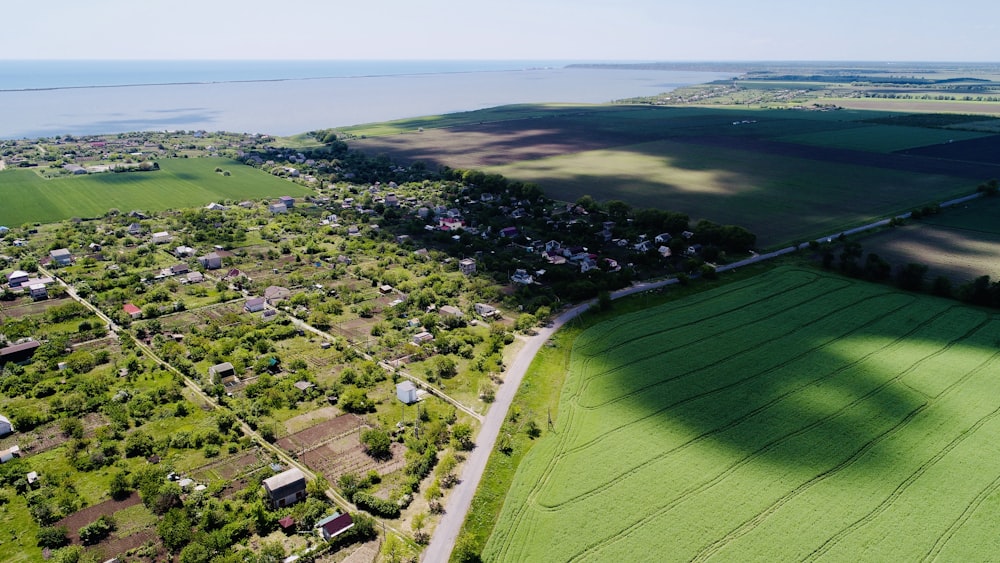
(282, 98)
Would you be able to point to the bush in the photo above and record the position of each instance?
(375, 505)
(97, 530)
(52, 537)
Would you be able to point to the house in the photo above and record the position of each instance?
(285, 488)
(662, 238)
(384, 289)
(18, 353)
(223, 373)
(406, 392)
(391, 200)
(161, 237)
(216, 207)
(275, 294)
(195, 277)
(485, 310)
(5, 426)
(451, 224)
(254, 304)
(183, 251)
(287, 201)
(61, 257)
(693, 250)
(132, 311)
(268, 315)
(332, 526)
(522, 276)
(508, 232)
(211, 261)
(135, 229)
(353, 231)
(664, 251)
(451, 311)
(467, 266)
(178, 269)
(9, 454)
(17, 278)
(642, 246)
(421, 337)
(276, 208)
(38, 291)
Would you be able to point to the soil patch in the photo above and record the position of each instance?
(81, 518)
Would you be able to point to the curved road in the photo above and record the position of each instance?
(446, 533)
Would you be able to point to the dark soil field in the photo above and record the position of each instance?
(961, 243)
(985, 150)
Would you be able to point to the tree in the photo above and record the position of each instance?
(355, 400)
(52, 536)
(174, 529)
(911, 276)
(377, 443)
(461, 433)
(119, 487)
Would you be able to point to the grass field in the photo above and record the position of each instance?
(182, 182)
(790, 416)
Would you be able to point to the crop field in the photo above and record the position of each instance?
(179, 183)
(961, 243)
(883, 138)
(790, 416)
(787, 175)
(780, 198)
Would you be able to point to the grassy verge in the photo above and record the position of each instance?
(538, 398)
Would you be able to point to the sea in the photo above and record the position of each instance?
(49, 98)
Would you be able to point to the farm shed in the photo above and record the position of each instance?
(286, 488)
(254, 304)
(406, 392)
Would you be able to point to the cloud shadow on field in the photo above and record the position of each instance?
(784, 192)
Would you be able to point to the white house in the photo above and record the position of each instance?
(406, 392)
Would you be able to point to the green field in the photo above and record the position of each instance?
(180, 182)
(780, 198)
(882, 138)
(786, 175)
(790, 416)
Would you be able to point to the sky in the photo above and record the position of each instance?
(595, 30)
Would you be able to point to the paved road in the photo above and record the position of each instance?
(446, 533)
(460, 499)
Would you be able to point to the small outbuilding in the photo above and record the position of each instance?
(334, 525)
(406, 392)
(6, 427)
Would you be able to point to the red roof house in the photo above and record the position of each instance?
(132, 311)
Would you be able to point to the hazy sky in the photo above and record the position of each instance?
(667, 30)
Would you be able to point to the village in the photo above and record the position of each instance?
(351, 339)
